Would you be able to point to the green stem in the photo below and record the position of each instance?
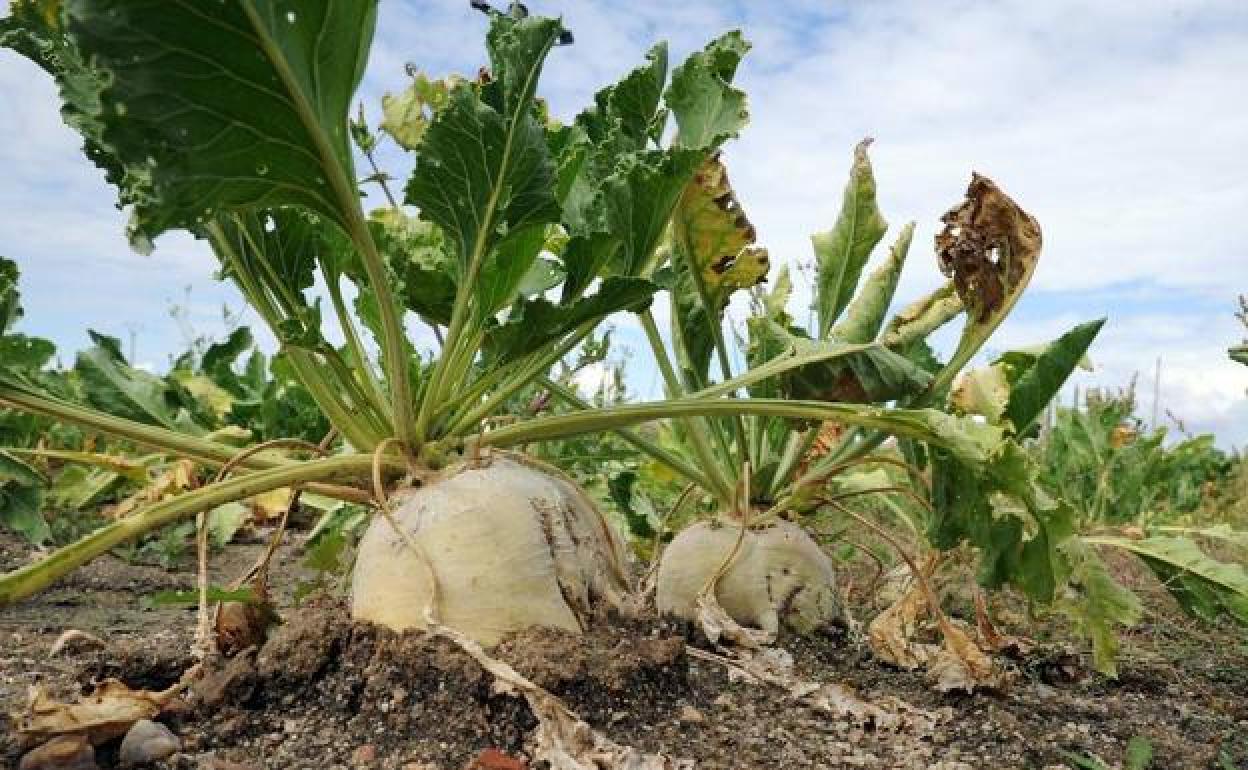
(363, 364)
(161, 439)
(722, 485)
(26, 581)
(327, 397)
(645, 445)
(517, 380)
(900, 422)
(393, 350)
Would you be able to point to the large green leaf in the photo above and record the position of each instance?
(115, 387)
(707, 108)
(1204, 586)
(484, 172)
(199, 107)
(1035, 378)
(864, 374)
(842, 252)
(864, 317)
(998, 507)
(1097, 604)
(536, 323)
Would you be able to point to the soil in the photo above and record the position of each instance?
(326, 693)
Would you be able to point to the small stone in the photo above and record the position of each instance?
(147, 741)
(722, 700)
(364, 754)
(67, 752)
(691, 716)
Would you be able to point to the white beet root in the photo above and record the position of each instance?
(779, 577)
(511, 547)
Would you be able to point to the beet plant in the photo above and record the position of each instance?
(766, 479)
(514, 238)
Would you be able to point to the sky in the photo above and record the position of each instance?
(1120, 125)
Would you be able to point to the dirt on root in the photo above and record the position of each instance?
(324, 692)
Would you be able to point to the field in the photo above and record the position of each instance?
(412, 516)
(343, 693)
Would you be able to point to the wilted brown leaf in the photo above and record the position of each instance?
(103, 715)
(989, 247)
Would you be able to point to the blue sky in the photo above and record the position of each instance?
(1120, 125)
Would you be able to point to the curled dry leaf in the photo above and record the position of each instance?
(960, 664)
(989, 247)
(105, 714)
(240, 625)
(891, 633)
(957, 664)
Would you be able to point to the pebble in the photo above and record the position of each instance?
(364, 755)
(147, 741)
(67, 752)
(690, 715)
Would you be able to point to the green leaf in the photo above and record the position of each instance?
(219, 358)
(21, 511)
(536, 323)
(79, 487)
(19, 354)
(629, 108)
(1097, 604)
(113, 386)
(707, 108)
(915, 322)
(860, 374)
(999, 507)
(1139, 753)
(225, 521)
(423, 269)
(1036, 378)
(197, 108)
(865, 315)
(244, 595)
(842, 252)
(638, 514)
(1239, 353)
(1202, 585)
(985, 392)
(484, 173)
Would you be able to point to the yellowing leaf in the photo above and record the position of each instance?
(270, 505)
(406, 116)
(208, 393)
(716, 233)
(983, 391)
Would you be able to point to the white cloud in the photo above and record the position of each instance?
(1118, 124)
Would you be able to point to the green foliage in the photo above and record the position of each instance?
(843, 251)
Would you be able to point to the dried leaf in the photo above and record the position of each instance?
(101, 716)
(989, 247)
(961, 665)
(241, 625)
(891, 633)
